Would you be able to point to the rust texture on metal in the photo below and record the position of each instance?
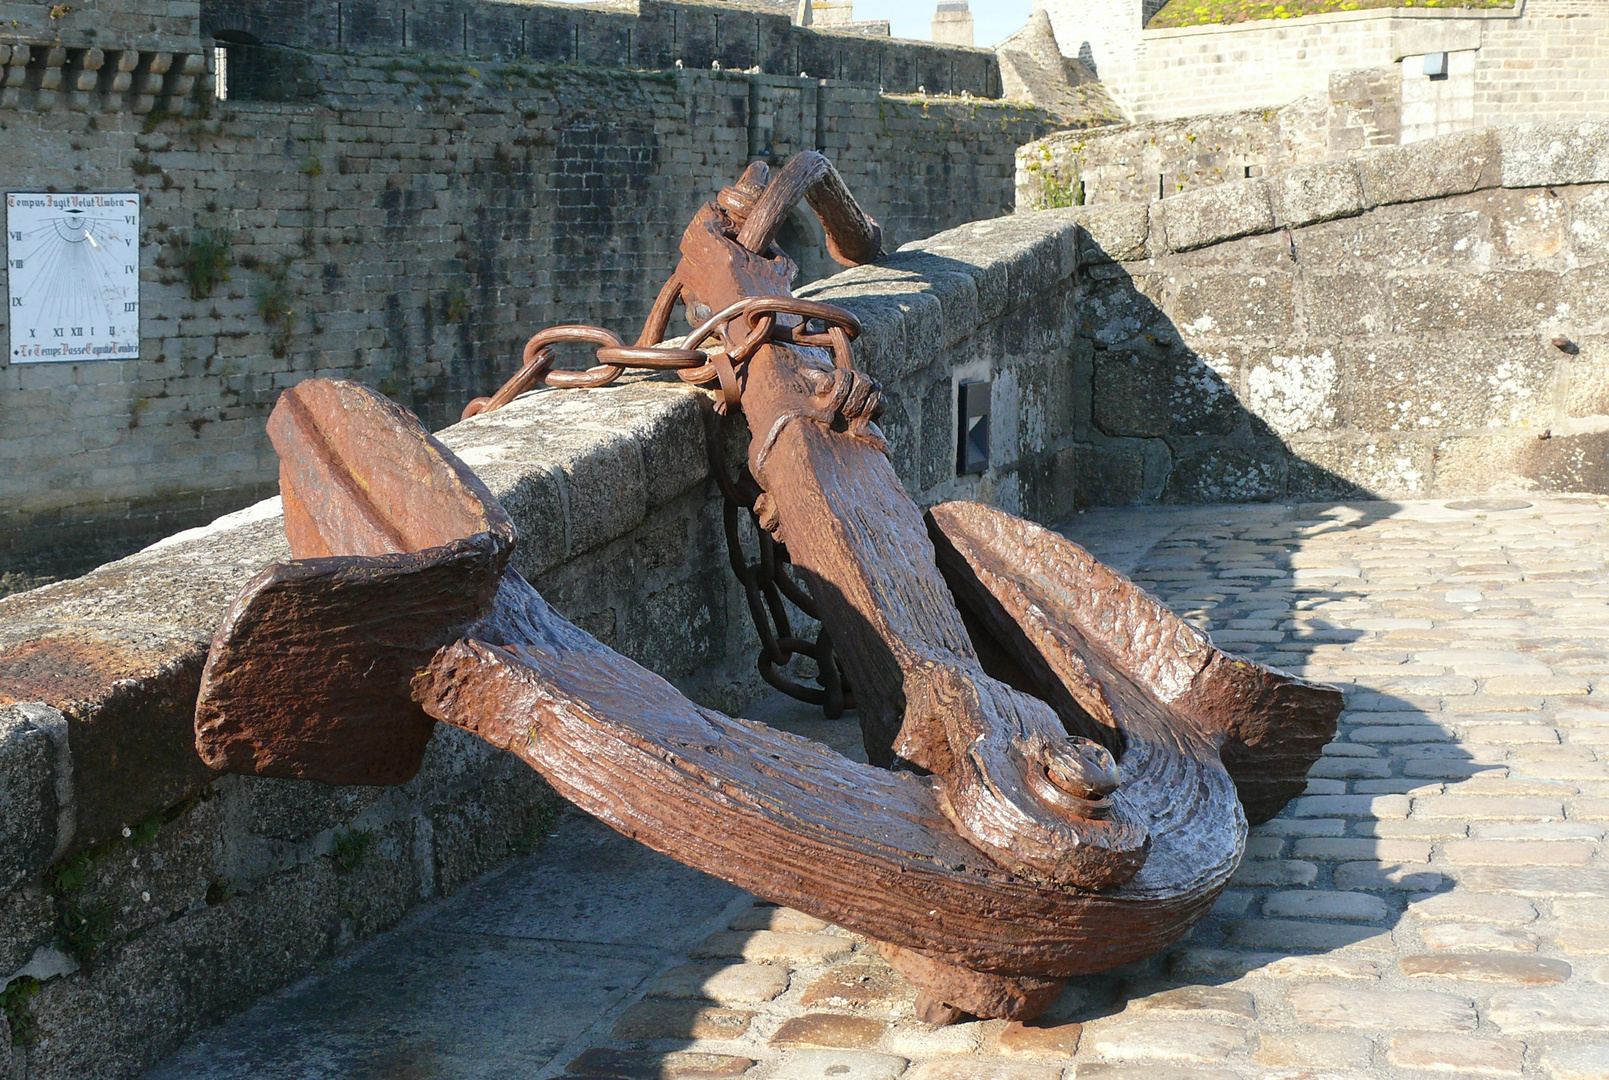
(1061, 770)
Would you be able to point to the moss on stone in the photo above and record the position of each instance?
(1206, 12)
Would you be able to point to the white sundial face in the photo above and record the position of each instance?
(73, 271)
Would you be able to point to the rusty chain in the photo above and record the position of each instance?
(742, 328)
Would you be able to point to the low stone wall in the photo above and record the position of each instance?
(1423, 320)
(142, 897)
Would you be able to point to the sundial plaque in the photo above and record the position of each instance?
(73, 270)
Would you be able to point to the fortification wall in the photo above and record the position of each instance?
(407, 221)
(1534, 62)
(650, 34)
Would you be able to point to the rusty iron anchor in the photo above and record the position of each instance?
(1062, 770)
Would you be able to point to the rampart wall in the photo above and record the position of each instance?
(646, 34)
(408, 218)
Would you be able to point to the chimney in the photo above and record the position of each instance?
(952, 23)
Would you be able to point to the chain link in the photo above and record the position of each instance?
(743, 328)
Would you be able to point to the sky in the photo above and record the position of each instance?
(992, 20)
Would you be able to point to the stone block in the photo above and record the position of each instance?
(1582, 1062)
(774, 946)
(939, 277)
(1313, 193)
(677, 629)
(688, 1019)
(1485, 967)
(1122, 472)
(1492, 304)
(1345, 1007)
(1458, 1055)
(1116, 233)
(1586, 378)
(1317, 1049)
(1167, 1040)
(1554, 153)
(863, 983)
(1432, 169)
(1462, 382)
(1215, 214)
(1565, 463)
(1198, 999)
(162, 869)
(1320, 904)
(1116, 309)
(27, 922)
(724, 984)
(1266, 933)
(469, 836)
(1159, 392)
(29, 760)
(1416, 37)
(1233, 304)
(829, 1030)
(298, 810)
(1565, 1009)
(649, 1065)
(838, 1065)
(1383, 466)
(1226, 474)
(1111, 1070)
(983, 1070)
(1464, 906)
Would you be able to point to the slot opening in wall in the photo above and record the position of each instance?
(972, 440)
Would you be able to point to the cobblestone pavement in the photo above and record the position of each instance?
(1437, 904)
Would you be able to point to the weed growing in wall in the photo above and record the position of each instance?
(14, 1003)
(276, 304)
(204, 256)
(537, 835)
(1059, 186)
(349, 849)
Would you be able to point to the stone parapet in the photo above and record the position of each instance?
(650, 34)
(1409, 322)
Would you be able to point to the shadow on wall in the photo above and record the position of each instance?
(1161, 422)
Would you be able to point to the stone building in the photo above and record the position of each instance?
(1453, 69)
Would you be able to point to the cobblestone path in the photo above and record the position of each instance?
(1437, 904)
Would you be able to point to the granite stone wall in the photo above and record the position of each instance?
(407, 211)
(1413, 322)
